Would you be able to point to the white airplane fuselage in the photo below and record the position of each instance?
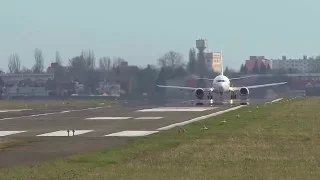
(221, 84)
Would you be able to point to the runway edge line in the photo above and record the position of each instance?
(273, 101)
(199, 118)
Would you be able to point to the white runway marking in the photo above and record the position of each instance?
(46, 114)
(199, 118)
(36, 115)
(132, 133)
(107, 118)
(276, 100)
(6, 133)
(65, 133)
(13, 110)
(149, 118)
(177, 109)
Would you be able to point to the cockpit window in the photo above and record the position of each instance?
(220, 80)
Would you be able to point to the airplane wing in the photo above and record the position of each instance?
(205, 79)
(184, 88)
(257, 86)
(243, 77)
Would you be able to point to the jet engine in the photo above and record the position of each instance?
(199, 93)
(244, 91)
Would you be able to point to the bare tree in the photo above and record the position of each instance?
(192, 64)
(14, 63)
(105, 63)
(58, 58)
(171, 59)
(78, 69)
(162, 62)
(88, 57)
(38, 67)
(91, 61)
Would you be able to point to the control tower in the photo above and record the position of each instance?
(201, 44)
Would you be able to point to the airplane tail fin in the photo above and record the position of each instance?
(221, 64)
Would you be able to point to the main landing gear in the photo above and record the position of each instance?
(233, 95)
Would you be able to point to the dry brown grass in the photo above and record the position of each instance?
(7, 143)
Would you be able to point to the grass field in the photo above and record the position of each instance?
(273, 141)
(27, 104)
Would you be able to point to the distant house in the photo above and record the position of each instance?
(52, 68)
(124, 75)
(249, 65)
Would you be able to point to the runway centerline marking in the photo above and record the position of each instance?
(7, 133)
(177, 109)
(199, 118)
(65, 133)
(132, 133)
(107, 118)
(149, 118)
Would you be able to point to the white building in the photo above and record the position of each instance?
(26, 84)
(26, 91)
(213, 60)
(303, 65)
(16, 78)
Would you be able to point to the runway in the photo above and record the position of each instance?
(100, 122)
(46, 131)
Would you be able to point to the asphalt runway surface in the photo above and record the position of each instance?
(46, 136)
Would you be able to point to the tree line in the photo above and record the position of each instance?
(170, 60)
(14, 63)
(83, 69)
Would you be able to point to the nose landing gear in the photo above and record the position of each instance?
(210, 96)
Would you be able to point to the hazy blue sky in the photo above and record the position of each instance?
(142, 30)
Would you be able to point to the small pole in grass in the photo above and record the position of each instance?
(204, 127)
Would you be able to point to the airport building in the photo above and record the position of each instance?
(304, 65)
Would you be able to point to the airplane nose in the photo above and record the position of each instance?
(219, 87)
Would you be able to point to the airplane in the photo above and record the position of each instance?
(221, 85)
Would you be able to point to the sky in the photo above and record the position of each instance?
(142, 30)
